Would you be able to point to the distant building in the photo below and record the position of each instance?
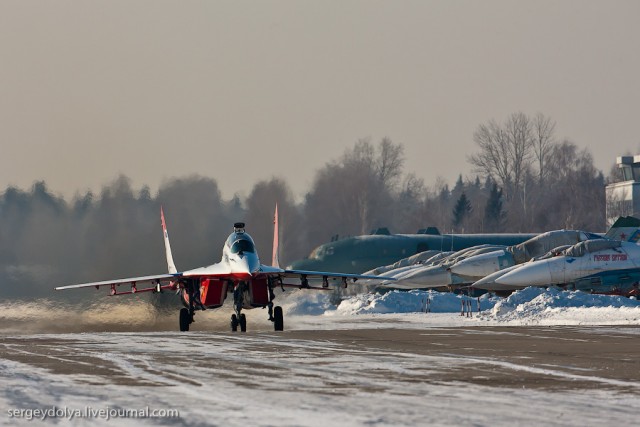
(623, 198)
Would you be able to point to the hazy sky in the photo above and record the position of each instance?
(245, 90)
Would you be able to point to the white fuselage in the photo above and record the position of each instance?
(239, 259)
(566, 268)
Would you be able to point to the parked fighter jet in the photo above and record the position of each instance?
(406, 263)
(475, 268)
(239, 271)
(489, 283)
(435, 273)
(597, 265)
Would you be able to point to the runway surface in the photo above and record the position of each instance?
(360, 376)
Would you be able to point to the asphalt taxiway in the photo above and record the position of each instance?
(559, 358)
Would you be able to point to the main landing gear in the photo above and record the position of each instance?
(278, 319)
(192, 289)
(241, 292)
(275, 313)
(185, 319)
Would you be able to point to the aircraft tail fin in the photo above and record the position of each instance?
(167, 246)
(275, 259)
(626, 228)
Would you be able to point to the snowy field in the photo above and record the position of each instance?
(213, 377)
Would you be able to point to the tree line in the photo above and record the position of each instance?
(524, 181)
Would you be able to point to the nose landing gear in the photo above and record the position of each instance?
(238, 321)
(238, 318)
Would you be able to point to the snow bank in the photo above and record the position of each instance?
(409, 302)
(531, 306)
(553, 306)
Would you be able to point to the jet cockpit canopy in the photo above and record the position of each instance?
(240, 242)
(242, 245)
(589, 246)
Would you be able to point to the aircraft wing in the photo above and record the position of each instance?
(215, 270)
(331, 275)
(303, 277)
(130, 280)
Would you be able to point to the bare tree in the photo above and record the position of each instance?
(493, 159)
(543, 140)
(505, 152)
(355, 194)
(518, 130)
(389, 162)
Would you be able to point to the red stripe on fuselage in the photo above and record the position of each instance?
(241, 276)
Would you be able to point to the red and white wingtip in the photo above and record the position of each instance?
(275, 260)
(167, 246)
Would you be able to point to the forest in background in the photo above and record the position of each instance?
(523, 180)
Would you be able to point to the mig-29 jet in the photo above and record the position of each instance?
(239, 271)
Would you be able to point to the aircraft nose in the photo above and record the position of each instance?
(534, 274)
(489, 282)
(246, 265)
(479, 265)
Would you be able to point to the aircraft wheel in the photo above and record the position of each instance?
(243, 323)
(234, 323)
(278, 319)
(185, 319)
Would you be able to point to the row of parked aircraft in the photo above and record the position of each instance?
(573, 259)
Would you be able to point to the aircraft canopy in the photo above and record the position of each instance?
(546, 242)
(589, 246)
(242, 245)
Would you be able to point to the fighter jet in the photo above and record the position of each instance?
(435, 274)
(239, 272)
(592, 264)
(479, 266)
(405, 263)
(489, 283)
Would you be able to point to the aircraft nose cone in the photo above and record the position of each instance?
(479, 265)
(489, 282)
(246, 265)
(534, 274)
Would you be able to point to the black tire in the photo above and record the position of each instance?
(278, 319)
(243, 323)
(185, 319)
(234, 323)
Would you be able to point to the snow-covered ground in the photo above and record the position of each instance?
(214, 377)
(268, 379)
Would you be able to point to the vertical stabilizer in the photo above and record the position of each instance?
(626, 229)
(275, 260)
(167, 245)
